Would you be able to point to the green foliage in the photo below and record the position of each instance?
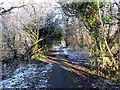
(107, 19)
(94, 16)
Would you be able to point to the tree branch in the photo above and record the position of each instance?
(8, 10)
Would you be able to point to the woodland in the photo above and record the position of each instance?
(34, 29)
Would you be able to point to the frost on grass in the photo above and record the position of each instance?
(28, 76)
(80, 56)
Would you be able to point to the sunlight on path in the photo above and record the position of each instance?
(58, 57)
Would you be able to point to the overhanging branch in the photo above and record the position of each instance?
(8, 10)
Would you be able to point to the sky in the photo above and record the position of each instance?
(46, 5)
(8, 3)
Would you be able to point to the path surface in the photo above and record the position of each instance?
(62, 75)
(61, 78)
(72, 74)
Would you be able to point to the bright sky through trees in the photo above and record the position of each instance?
(9, 3)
